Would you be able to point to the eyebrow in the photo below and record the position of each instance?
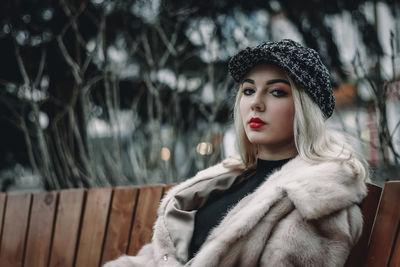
(269, 82)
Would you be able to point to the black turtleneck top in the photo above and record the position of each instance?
(209, 215)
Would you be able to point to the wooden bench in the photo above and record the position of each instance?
(379, 245)
(79, 227)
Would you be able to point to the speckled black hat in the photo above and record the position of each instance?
(301, 63)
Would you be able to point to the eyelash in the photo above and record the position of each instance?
(279, 91)
(246, 91)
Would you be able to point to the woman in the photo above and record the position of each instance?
(292, 199)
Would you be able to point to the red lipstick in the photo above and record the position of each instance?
(256, 123)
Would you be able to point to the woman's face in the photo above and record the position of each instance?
(267, 111)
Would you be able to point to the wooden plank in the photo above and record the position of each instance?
(40, 229)
(66, 227)
(14, 230)
(386, 226)
(120, 222)
(145, 216)
(395, 261)
(368, 209)
(93, 227)
(2, 209)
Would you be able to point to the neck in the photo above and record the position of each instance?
(265, 167)
(277, 152)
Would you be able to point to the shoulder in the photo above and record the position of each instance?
(231, 165)
(227, 169)
(319, 189)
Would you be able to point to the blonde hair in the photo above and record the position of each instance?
(314, 143)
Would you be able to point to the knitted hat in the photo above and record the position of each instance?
(302, 64)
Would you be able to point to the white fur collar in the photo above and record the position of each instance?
(320, 189)
(315, 189)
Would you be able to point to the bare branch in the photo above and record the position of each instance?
(133, 48)
(88, 85)
(147, 50)
(41, 68)
(168, 44)
(74, 66)
(80, 144)
(395, 129)
(29, 146)
(89, 57)
(20, 61)
(72, 20)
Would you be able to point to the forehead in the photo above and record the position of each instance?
(266, 71)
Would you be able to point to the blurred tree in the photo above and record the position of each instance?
(151, 73)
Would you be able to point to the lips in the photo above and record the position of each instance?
(256, 123)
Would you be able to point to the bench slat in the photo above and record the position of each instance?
(120, 222)
(368, 209)
(93, 227)
(386, 226)
(395, 262)
(14, 231)
(2, 207)
(66, 228)
(146, 214)
(40, 229)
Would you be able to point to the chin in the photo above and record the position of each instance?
(263, 139)
(260, 140)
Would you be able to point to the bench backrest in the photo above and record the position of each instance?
(368, 208)
(384, 243)
(76, 227)
(379, 244)
(81, 227)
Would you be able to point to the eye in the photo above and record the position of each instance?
(278, 92)
(248, 91)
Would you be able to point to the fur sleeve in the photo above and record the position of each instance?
(143, 258)
(355, 220)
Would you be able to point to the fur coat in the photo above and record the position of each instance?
(303, 215)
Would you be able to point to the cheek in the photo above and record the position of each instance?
(288, 111)
(243, 109)
(285, 113)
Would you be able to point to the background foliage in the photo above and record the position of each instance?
(103, 92)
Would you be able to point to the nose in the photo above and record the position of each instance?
(257, 104)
